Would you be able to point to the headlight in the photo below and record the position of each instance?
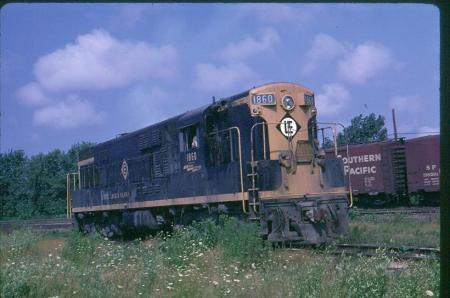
(288, 103)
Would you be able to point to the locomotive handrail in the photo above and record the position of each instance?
(240, 159)
(335, 152)
(252, 155)
(68, 193)
(264, 139)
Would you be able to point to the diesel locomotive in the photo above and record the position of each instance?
(254, 155)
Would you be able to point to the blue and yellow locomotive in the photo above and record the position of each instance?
(253, 155)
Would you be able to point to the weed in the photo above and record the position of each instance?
(241, 241)
(227, 259)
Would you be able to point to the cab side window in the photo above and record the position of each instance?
(189, 138)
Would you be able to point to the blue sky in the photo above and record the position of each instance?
(87, 72)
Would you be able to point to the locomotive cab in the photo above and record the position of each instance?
(310, 204)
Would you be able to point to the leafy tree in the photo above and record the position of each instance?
(47, 178)
(36, 186)
(363, 130)
(74, 152)
(14, 194)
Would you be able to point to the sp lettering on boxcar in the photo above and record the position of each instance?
(361, 159)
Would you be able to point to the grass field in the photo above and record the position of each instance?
(203, 260)
(394, 229)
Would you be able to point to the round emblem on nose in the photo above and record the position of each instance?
(124, 169)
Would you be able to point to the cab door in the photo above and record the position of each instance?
(191, 157)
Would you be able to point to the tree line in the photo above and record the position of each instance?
(36, 186)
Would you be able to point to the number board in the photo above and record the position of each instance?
(309, 100)
(264, 99)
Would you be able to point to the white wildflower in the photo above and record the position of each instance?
(429, 293)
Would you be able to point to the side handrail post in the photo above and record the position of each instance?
(347, 152)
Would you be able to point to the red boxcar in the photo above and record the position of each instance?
(422, 163)
(375, 168)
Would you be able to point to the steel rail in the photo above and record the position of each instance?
(400, 252)
(399, 211)
(37, 224)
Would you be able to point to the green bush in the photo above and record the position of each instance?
(15, 282)
(17, 243)
(241, 240)
(361, 277)
(79, 248)
(416, 200)
(417, 280)
(188, 242)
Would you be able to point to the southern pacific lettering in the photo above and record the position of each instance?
(356, 168)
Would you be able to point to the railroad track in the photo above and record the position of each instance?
(401, 252)
(59, 224)
(369, 250)
(412, 211)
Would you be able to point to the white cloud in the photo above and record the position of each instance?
(94, 61)
(354, 64)
(32, 95)
(249, 46)
(324, 48)
(364, 63)
(98, 61)
(332, 99)
(428, 130)
(72, 112)
(219, 78)
(408, 103)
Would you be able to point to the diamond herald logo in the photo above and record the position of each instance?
(288, 127)
(124, 169)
